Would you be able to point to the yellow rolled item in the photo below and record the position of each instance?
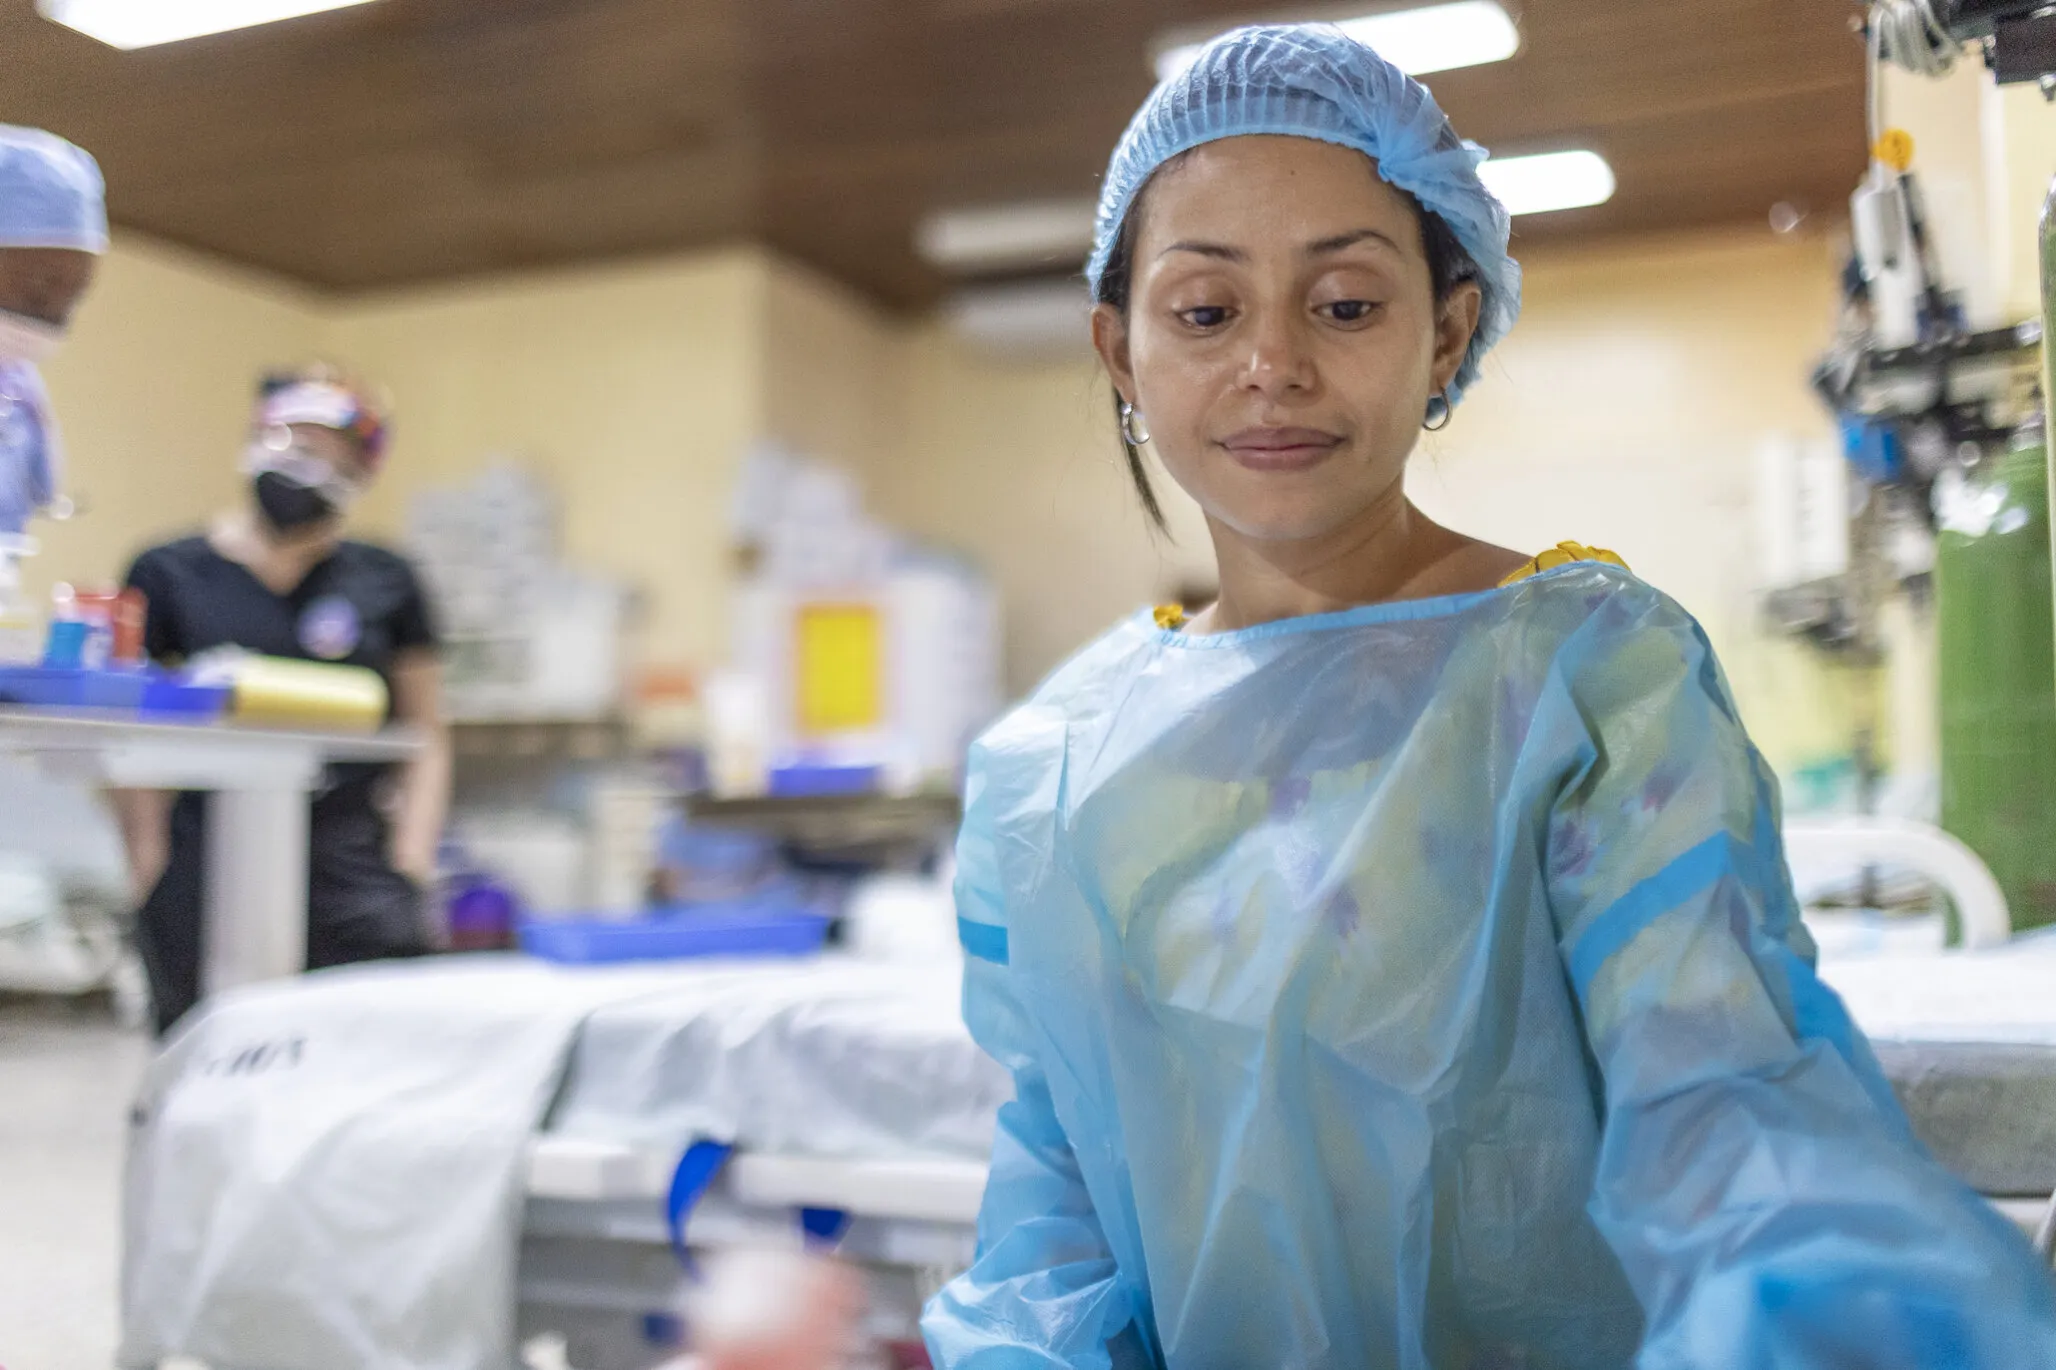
(1562, 555)
(276, 692)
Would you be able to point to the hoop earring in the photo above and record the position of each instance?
(1132, 428)
(1439, 408)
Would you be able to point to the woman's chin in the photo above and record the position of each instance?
(1310, 511)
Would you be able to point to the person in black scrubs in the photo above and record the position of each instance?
(277, 577)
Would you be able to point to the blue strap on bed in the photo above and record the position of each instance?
(697, 1168)
(823, 1228)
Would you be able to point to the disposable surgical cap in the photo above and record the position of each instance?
(1314, 81)
(51, 193)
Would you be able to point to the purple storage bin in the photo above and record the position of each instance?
(682, 935)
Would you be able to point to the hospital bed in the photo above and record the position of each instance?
(598, 1272)
(878, 1125)
(1967, 1035)
(859, 1112)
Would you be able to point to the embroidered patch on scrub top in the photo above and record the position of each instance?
(330, 628)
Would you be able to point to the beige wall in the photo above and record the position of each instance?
(832, 371)
(1015, 462)
(1626, 410)
(633, 389)
(2021, 131)
(152, 394)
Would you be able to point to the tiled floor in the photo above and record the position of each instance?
(66, 1075)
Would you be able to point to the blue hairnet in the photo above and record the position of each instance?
(51, 193)
(1314, 81)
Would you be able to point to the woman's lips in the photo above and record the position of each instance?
(1280, 449)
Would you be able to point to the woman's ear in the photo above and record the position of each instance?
(1455, 322)
(1110, 340)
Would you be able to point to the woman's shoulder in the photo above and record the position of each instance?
(1579, 586)
(1077, 688)
(178, 554)
(1606, 633)
(1085, 675)
(373, 554)
(377, 562)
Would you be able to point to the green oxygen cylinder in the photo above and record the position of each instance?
(1996, 627)
(2045, 239)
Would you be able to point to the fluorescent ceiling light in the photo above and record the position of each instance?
(144, 23)
(1550, 180)
(1468, 33)
(1033, 319)
(1034, 233)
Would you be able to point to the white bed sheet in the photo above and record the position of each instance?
(1968, 1040)
(832, 1058)
(2003, 995)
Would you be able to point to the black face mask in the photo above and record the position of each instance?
(289, 506)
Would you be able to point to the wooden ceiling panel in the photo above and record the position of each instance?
(413, 140)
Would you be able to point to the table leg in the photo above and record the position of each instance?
(256, 910)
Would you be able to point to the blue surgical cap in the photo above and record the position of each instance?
(51, 194)
(1314, 81)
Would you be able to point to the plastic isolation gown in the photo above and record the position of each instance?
(29, 461)
(1422, 986)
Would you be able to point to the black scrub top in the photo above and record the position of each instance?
(362, 606)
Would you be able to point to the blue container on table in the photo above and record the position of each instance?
(168, 698)
(144, 693)
(808, 782)
(760, 926)
(61, 687)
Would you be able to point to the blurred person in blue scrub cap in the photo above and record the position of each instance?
(1396, 959)
(53, 228)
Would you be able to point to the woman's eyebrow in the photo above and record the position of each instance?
(1218, 251)
(1350, 239)
(1322, 247)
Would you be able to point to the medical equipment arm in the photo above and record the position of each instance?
(1043, 1292)
(1760, 1185)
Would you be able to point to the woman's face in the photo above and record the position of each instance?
(44, 283)
(337, 449)
(1282, 338)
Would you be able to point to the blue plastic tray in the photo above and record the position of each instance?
(593, 941)
(798, 782)
(51, 687)
(139, 692)
(163, 698)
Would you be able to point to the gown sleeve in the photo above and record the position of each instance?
(1756, 1178)
(1044, 1290)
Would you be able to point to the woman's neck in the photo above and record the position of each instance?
(1390, 551)
(279, 560)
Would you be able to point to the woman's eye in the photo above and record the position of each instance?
(1205, 316)
(1351, 311)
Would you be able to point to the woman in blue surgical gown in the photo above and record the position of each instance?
(1396, 962)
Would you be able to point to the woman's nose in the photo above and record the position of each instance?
(1280, 359)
